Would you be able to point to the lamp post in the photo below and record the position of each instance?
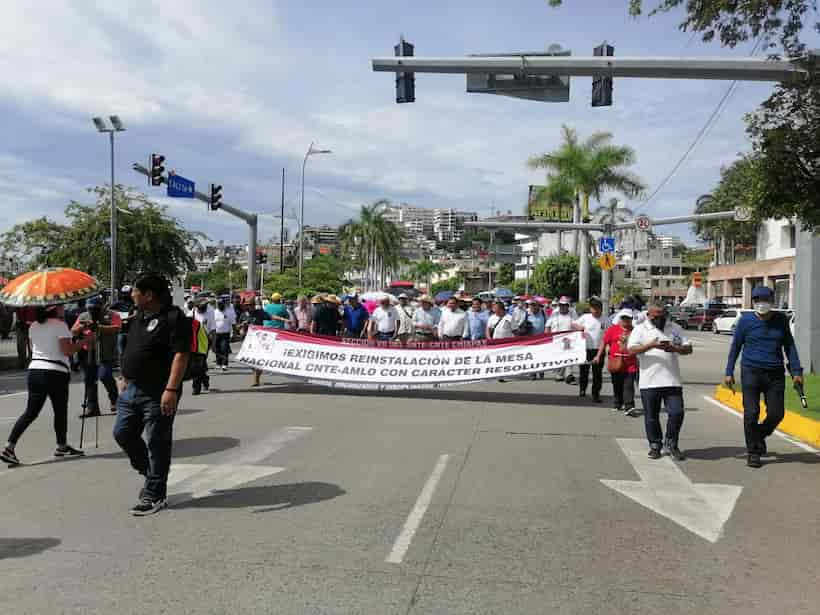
(310, 152)
(114, 126)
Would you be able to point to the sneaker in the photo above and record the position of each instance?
(146, 506)
(753, 461)
(7, 455)
(89, 414)
(617, 408)
(68, 451)
(675, 453)
(654, 453)
(629, 410)
(224, 368)
(570, 380)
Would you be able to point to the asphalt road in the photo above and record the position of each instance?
(499, 498)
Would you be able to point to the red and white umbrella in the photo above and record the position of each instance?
(49, 286)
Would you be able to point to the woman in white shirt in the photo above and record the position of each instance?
(223, 321)
(48, 378)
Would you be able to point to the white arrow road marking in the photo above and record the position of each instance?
(197, 480)
(701, 508)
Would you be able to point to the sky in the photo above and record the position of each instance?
(232, 93)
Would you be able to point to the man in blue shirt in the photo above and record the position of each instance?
(278, 315)
(355, 317)
(477, 319)
(764, 336)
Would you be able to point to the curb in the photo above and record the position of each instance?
(794, 424)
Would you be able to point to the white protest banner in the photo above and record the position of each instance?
(352, 364)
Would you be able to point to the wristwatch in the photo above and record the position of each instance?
(172, 390)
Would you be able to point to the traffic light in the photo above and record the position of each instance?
(157, 169)
(405, 82)
(601, 85)
(216, 197)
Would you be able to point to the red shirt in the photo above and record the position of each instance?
(612, 338)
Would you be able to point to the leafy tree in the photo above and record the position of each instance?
(627, 290)
(374, 242)
(321, 274)
(558, 275)
(148, 239)
(506, 274)
(221, 279)
(423, 271)
(453, 283)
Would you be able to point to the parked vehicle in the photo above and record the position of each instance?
(725, 322)
(680, 314)
(701, 319)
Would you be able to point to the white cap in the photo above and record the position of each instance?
(625, 314)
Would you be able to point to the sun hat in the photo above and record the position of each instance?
(425, 299)
(564, 300)
(317, 299)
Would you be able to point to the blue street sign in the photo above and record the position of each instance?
(180, 187)
(606, 244)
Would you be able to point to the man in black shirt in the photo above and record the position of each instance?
(327, 318)
(153, 366)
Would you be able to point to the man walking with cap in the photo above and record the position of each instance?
(764, 337)
(559, 322)
(657, 342)
(355, 318)
(153, 366)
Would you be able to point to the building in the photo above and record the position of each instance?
(448, 224)
(772, 266)
(442, 224)
(668, 241)
(534, 248)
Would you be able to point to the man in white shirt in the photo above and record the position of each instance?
(500, 324)
(425, 320)
(453, 322)
(406, 312)
(384, 321)
(559, 322)
(657, 342)
(593, 324)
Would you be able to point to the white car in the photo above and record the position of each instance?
(725, 323)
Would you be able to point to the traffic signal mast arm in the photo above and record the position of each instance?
(570, 226)
(743, 69)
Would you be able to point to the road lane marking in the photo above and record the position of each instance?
(411, 525)
(4, 395)
(199, 480)
(701, 508)
(777, 432)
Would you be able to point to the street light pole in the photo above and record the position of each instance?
(115, 125)
(309, 153)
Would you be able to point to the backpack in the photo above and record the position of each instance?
(197, 357)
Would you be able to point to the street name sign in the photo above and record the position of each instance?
(180, 187)
(606, 244)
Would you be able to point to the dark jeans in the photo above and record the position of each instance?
(772, 385)
(623, 389)
(385, 337)
(45, 384)
(122, 340)
(222, 347)
(104, 372)
(672, 398)
(200, 373)
(138, 410)
(597, 373)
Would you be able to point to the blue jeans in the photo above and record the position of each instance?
(672, 398)
(138, 410)
(772, 385)
(104, 372)
(385, 337)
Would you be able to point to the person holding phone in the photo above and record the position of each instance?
(657, 342)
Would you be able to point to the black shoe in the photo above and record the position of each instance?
(570, 380)
(629, 410)
(617, 408)
(146, 506)
(533, 376)
(89, 414)
(753, 461)
(654, 453)
(68, 451)
(7, 455)
(582, 394)
(597, 399)
(763, 449)
(675, 453)
(195, 392)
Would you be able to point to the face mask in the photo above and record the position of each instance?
(659, 322)
(763, 308)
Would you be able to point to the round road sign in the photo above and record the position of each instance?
(643, 223)
(743, 213)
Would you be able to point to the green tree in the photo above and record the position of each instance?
(373, 242)
(741, 184)
(321, 274)
(558, 275)
(453, 283)
(222, 278)
(506, 274)
(422, 272)
(148, 239)
(589, 168)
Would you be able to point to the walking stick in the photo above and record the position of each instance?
(82, 417)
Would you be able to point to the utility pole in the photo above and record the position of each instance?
(806, 299)
(282, 228)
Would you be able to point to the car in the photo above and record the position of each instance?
(726, 321)
(680, 315)
(701, 319)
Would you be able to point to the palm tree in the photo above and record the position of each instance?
(374, 242)
(592, 168)
(424, 270)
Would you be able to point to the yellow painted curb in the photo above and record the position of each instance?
(794, 424)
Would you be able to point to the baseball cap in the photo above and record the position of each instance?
(276, 297)
(565, 300)
(94, 302)
(762, 292)
(625, 314)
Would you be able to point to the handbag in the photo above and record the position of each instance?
(615, 364)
